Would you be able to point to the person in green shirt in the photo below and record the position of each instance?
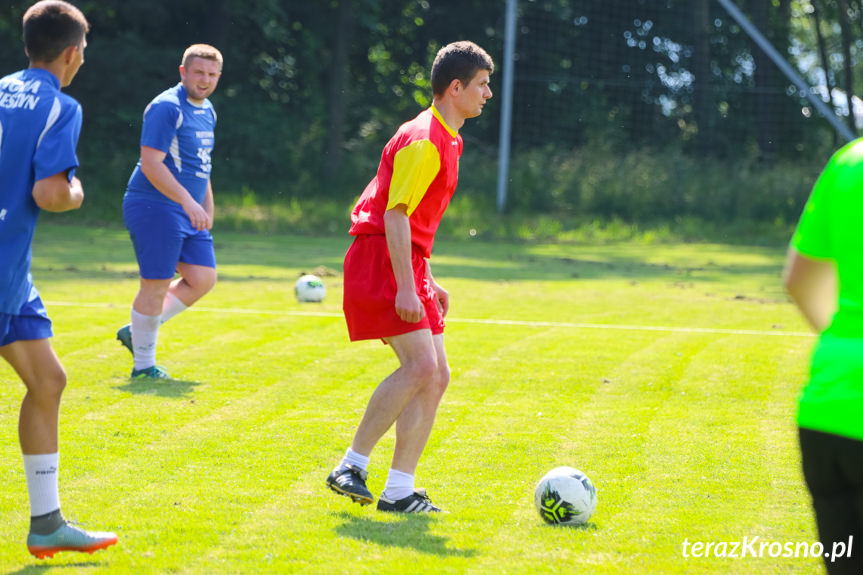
(824, 276)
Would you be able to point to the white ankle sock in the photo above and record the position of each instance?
(399, 485)
(41, 472)
(145, 332)
(172, 307)
(357, 460)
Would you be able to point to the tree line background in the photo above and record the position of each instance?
(630, 109)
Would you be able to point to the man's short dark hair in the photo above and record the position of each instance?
(51, 26)
(458, 61)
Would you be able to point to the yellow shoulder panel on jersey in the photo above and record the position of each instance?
(414, 168)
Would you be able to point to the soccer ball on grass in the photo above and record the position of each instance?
(565, 496)
(310, 288)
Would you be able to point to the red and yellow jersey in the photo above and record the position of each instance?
(419, 169)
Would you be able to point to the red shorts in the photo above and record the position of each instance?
(370, 292)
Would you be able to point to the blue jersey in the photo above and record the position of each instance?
(185, 132)
(39, 129)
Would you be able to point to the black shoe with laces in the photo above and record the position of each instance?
(418, 502)
(350, 481)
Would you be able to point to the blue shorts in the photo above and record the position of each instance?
(31, 322)
(163, 236)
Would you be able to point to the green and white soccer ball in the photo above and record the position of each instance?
(310, 288)
(565, 496)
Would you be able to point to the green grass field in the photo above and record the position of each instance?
(667, 373)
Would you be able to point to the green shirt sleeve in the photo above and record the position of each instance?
(812, 236)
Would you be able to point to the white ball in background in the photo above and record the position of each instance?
(310, 288)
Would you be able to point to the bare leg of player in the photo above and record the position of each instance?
(418, 370)
(194, 282)
(414, 425)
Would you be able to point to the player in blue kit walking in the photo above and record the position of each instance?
(168, 206)
(39, 129)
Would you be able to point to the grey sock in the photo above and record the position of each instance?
(47, 524)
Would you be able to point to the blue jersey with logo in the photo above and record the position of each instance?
(39, 129)
(185, 132)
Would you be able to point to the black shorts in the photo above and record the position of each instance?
(833, 468)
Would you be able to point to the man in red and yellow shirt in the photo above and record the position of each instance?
(389, 291)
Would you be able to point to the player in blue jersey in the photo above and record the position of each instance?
(168, 206)
(39, 128)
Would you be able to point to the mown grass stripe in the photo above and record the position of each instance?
(525, 323)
